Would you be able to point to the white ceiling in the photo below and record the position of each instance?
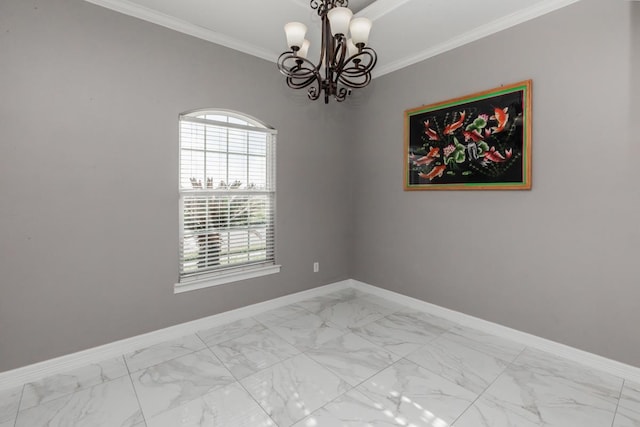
(404, 31)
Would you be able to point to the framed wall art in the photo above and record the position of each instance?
(476, 142)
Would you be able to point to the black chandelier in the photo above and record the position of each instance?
(345, 63)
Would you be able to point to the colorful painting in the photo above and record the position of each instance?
(477, 142)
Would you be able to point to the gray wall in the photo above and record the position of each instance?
(89, 102)
(559, 261)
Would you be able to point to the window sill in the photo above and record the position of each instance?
(208, 282)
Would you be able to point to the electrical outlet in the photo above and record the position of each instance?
(316, 267)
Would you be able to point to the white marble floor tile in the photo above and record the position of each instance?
(544, 364)
(253, 352)
(390, 306)
(317, 304)
(162, 352)
(229, 331)
(293, 389)
(352, 409)
(417, 396)
(9, 401)
(172, 383)
(428, 318)
(229, 406)
(55, 386)
(352, 313)
(630, 397)
(400, 333)
(111, 404)
(626, 418)
(307, 332)
(628, 414)
(279, 315)
(542, 399)
(297, 365)
(462, 365)
(492, 345)
(488, 413)
(352, 358)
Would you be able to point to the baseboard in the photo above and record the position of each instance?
(586, 358)
(36, 371)
(19, 376)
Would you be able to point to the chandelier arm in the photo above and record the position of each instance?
(342, 94)
(291, 64)
(359, 64)
(355, 83)
(356, 72)
(300, 72)
(314, 91)
(339, 53)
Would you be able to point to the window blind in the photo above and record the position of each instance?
(227, 195)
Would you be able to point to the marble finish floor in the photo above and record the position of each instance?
(345, 359)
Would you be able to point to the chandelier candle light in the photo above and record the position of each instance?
(345, 63)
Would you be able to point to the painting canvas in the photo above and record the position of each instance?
(477, 142)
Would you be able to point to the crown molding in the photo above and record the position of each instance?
(488, 29)
(159, 18)
(374, 12)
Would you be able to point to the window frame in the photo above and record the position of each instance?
(242, 271)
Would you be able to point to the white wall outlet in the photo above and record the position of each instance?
(316, 267)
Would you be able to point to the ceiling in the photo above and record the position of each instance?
(404, 31)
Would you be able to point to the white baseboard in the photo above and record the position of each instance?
(17, 377)
(591, 360)
(36, 371)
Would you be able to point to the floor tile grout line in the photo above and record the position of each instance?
(355, 388)
(336, 375)
(236, 380)
(257, 403)
(304, 351)
(131, 373)
(135, 392)
(239, 382)
(615, 413)
(263, 368)
(245, 330)
(482, 350)
(124, 356)
(429, 341)
(15, 417)
(485, 353)
(101, 377)
(166, 361)
(487, 388)
(285, 318)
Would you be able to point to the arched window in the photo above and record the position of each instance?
(227, 198)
